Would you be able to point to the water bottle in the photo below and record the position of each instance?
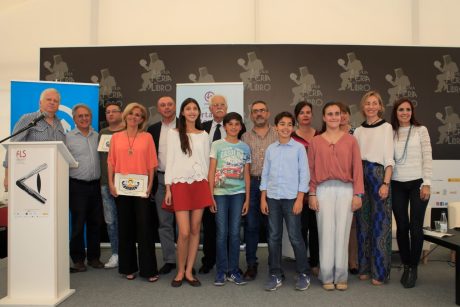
(443, 222)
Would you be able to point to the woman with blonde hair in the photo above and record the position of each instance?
(132, 152)
(375, 139)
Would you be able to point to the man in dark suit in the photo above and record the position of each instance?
(216, 131)
(166, 106)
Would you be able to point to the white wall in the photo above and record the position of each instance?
(27, 25)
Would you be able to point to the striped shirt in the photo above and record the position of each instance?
(258, 145)
(42, 131)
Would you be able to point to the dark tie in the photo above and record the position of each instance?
(217, 135)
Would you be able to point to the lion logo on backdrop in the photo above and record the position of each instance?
(58, 71)
(203, 76)
(108, 89)
(255, 77)
(354, 78)
(156, 77)
(400, 87)
(306, 88)
(449, 78)
(449, 131)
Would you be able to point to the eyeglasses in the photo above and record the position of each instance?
(83, 116)
(112, 112)
(256, 111)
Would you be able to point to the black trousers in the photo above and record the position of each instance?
(409, 232)
(209, 238)
(85, 204)
(136, 224)
(310, 233)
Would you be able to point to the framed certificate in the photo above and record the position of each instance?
(104, 143)
(131, 184)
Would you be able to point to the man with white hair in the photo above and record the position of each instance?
(48, 129)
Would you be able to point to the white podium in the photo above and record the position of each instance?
(38, 228)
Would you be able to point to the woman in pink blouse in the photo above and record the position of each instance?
(132, 152)
(336, 188)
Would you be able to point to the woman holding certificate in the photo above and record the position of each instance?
(131, 164)
(187, 188)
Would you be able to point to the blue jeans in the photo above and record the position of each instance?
(110, 217)
(228, 219)
(252, 223)
(279, 209)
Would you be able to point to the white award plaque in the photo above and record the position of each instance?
(131, 184)
(104, 143)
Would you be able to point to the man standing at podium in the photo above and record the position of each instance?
(84, 191)
(47, 129)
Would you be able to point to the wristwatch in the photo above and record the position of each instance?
(385, 183)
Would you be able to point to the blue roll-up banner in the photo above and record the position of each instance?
(25, 98)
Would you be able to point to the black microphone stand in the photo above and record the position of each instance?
(30, 125)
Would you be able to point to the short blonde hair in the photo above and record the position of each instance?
(379, 98)
(129, 109)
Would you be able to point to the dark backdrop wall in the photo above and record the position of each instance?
(279, 74)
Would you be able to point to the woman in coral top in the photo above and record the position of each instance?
(336, 189)
(132, 152)
(187, 188)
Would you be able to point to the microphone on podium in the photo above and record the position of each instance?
(38, 118)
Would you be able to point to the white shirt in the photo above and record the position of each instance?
(418, 161)
(223, 133)
(376, 143)
(162, 144)
(181, 167)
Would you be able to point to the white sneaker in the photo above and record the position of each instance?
(112, 263)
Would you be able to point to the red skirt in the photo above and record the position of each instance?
(191, 196)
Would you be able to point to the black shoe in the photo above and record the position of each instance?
(167, 268)
(96, 263)
(193, 282)
(78, 267)
(176, 283)
(354, 271)
(411, 277)
(205, 269)
(251, 273)
(404, 275)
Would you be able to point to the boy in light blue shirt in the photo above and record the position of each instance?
(285, 178)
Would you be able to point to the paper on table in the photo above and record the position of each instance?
(436, 234)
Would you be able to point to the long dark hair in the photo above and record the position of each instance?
(394, 114)
(327, 105)
(182, 127)
(299, 106)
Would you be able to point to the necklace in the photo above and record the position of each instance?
(375, 121)
(403, 157)
(130, 145)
